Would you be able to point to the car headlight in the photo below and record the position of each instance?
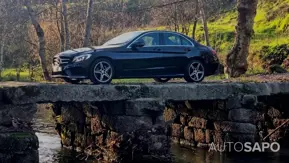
(81, 58)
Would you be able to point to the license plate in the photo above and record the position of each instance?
(57, 69)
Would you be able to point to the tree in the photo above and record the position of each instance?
(65, 22)
(204, 21)
(41, 39)
(195, 19)
(236, 61)
(88, 23)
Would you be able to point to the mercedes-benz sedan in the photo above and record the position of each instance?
(161, 55)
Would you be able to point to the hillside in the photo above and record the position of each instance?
(271, 29)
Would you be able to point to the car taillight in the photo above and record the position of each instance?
(214, 52)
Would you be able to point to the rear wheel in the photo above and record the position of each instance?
(101, 72)
(195, 71)
(76, 81)
(162, 80)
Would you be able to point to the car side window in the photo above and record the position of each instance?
(151, 39)
(173, 39)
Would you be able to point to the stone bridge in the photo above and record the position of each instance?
(121, 123)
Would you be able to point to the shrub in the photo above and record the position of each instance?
(273, 55)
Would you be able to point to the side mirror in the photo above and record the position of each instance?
(138, 44)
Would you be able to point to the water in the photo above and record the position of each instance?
(50, 151)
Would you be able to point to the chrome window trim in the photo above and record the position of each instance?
(129, 46)
(192, 44)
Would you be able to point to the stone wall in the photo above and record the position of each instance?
(243, 118)
(119, 131)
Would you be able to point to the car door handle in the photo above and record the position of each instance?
(188, 49)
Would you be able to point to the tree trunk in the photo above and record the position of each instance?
(17, 73)
(236, 61)
(194, 28)
(204, 21)
(2, 50)
(65, 22)
(60, 28)
(41, 39)
(195, 20)
(88, 23)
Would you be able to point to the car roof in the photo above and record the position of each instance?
(147, 31)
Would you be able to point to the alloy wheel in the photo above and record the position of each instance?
(103, 72)
(196, 72)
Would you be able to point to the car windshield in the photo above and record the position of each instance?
(122, 39)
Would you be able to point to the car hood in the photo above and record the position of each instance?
(75, 52)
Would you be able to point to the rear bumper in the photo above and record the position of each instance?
(212, 69)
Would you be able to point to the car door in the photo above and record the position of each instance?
(176, 51)
(143, 61)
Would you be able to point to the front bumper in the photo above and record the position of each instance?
(70, 71)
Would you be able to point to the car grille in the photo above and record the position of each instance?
(61, 61)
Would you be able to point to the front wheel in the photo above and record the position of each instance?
(162, 80)
(101, 72)
(195, 71)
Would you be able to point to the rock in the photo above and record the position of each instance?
(209, 136)
(198, 123)
(233, 102)
(234, 127)
(138, 107)
(114, 108)
(273, 113)
(169, 115)
(279, 122)
(244, 115)
(90, 110)
(186, 143)
(23, 113)
(96, 127)
(203, 145)
(159, 144)
(175, 140)
(124, 124)
(18, 142)
(176, 130)
(25, 93)
(189, 134)
(183, 120)
(218, 137)
(217, 115)
(249, 101)
(200, 136)
(6, 157)
(221, 105)
(29, 156)
(72, 112)
(274, 137)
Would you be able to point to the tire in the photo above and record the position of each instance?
(162, 80)
(102, 72)
(195, 72)
(67, 80)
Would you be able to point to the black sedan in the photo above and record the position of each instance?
(161, 55)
